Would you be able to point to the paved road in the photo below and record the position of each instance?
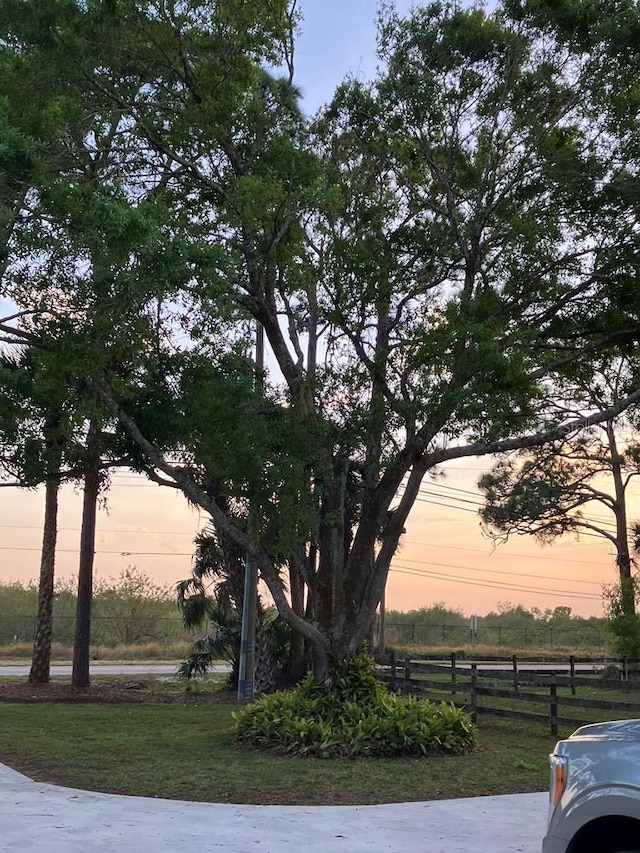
(528, 666)
(109, 669)
(170, 669)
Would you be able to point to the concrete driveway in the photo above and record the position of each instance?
(52, 819)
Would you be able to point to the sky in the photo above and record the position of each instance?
(338, 40)
(443, 558)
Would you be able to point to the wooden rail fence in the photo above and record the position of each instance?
(502, 688)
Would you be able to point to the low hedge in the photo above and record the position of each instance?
(352, 715)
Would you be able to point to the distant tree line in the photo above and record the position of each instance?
(128, 610)
(511, 626)
(132, 610)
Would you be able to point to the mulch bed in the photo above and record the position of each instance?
(116, 692)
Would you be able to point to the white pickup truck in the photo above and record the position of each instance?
(594, 797)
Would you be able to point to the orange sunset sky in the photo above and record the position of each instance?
(443, 558)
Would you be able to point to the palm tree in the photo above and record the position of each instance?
(220, 607)
(41, 655)
(35, 433)
(92, 477)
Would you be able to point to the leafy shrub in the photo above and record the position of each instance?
(611, 672)
(352, 715)
(622, 629)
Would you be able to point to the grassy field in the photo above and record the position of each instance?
(20, 653)
(178, 650)
(187, 751)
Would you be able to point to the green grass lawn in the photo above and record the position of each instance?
(187, 751)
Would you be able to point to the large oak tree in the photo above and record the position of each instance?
(426, 259)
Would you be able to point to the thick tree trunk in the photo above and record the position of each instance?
(296, 653)
(80, 673)
(319, 663)
(41, 657)
(330, 603)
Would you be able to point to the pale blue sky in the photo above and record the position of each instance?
(337, 39)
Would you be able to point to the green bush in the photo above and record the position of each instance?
(352, 715)
(621, 628)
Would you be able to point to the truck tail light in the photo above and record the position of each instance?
(558, 780)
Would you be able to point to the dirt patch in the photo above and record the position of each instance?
(111, 692)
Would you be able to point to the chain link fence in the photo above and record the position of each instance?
(105, 630)
(115, 630)
(586, 637)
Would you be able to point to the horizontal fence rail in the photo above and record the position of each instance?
(567, 693)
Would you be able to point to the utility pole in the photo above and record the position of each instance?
(246, 674)
(247, 668)
(382, 628)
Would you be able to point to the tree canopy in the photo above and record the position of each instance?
(556, 489)
(429, 258)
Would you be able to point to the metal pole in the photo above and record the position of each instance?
(247, 668)
(246, 674)
(382, 630)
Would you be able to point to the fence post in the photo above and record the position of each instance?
(394, 671)
(454, 676)
(572, 669)
(514, 663)
(407, 674)
(474, 692)
(553, 705)
(625, 668)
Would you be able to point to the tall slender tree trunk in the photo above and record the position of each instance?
(80, 672)
(41, 657)
(623, 553)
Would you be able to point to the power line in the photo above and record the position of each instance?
(121, 553)
(495, 554)
(497, 585)
(438, 485)
(477, 503)
(427, 489)
(589, 519)
(136, 485)
(462, 467)
(500, 572)
(100, 530)
(449, 506)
